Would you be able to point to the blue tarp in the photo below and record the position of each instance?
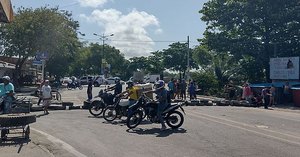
(276, 84)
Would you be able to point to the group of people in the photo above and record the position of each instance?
(178, 88)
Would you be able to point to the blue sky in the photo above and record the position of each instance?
(139, 26)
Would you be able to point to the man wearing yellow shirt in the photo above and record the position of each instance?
(131, 93)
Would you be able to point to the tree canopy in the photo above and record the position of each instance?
(257, 28)
(41, 30)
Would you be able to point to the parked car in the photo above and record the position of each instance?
(66, 80)
(99, 80)
(85, 79)
(112, 80)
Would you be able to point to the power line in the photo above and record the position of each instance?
(70, 5)
(143, 41)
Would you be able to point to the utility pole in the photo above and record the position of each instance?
(188, 58)
(103, 38)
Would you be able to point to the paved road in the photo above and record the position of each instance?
(211, 131)
(207, 131)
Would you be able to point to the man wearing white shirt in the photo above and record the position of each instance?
(46, 93)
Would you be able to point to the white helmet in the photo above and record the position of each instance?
(6, 78)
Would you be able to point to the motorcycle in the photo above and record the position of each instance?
(97, 106)
(74, 85)
(171, 115)
(117, 110)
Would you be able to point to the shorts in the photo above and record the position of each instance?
(46, 102)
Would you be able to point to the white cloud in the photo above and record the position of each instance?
(130, 34)
(92, 3)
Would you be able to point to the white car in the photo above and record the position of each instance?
(99, 80)
(85, 79)
(66, 80)
(112, 80)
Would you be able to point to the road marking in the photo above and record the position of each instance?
(243, 125)
(61, 143)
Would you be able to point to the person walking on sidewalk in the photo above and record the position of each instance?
(46, 95)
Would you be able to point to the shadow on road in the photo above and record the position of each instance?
(95, 117)
(14, 142)
(156, 131)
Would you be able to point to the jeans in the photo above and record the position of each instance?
(160, 109)
(7, 104)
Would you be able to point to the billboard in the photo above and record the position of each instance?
(286, 68)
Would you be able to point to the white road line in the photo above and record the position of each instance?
(61, 143)
(243, 125)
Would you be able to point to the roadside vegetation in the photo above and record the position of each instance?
(240, 38)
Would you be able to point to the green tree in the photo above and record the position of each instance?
(222, 65)
(257, 28)
(41, 30)
(175, 58)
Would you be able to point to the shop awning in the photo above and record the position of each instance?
(6, 12)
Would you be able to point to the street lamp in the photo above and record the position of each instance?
(102, 37)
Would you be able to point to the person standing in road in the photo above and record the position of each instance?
(266, 97)
(183, 89)
(192, 90)
(46, 94)
(90, 90)
(7, 92)
(286, 92)
(171, 87)
(272, 95)
(247, 93)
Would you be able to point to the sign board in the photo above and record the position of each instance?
(286, 68)
(35, 62)
(41, 56)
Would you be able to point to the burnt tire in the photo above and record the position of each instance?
(174, 119)
(16, 120)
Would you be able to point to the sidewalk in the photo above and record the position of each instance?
(37, 146)
(26, 148)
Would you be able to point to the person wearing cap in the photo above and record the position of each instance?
(46, 95)
(7, 92)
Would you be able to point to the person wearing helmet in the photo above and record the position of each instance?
(117, 88)
(7, 92)
(162, 97)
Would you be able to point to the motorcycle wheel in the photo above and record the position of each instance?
(134, 119)
(80, 87)
(174, 119)
(69, 87)
(96, 108)
(110, 113)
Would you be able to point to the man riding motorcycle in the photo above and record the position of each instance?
(162, 98)
(117, 88)
(7, 93)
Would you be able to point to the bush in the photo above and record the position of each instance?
(207, 82)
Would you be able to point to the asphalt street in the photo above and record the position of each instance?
(208, 131)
